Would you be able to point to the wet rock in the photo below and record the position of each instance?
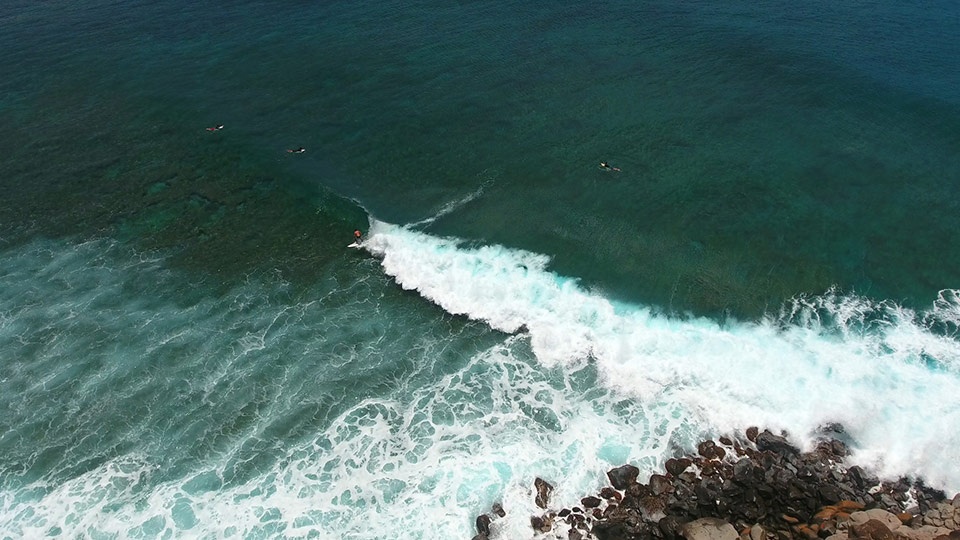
(660, 484)
(752, 433)
(768, 442)
(623, 476)
(543, 489)
(707, 449)
(676, 466)
(839, 449)
(610, 494)
(541, 523)
(774, 492)
(483, 524)
(498, 510)
(590, 502)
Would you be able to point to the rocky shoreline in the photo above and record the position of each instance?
(752, 487)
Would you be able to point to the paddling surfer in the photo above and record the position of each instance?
(606, 166)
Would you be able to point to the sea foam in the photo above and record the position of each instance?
(877, 368)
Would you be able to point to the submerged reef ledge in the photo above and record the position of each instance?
(753, 487)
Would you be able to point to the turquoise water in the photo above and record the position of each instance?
(187, 349)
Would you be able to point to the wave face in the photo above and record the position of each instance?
(874, 367)
(142, 405)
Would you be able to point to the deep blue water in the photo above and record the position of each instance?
(187, 349)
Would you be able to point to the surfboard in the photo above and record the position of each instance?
(353, 245)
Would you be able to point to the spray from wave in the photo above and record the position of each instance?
(883, 371)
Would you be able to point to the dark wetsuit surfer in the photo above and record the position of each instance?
(606, 166)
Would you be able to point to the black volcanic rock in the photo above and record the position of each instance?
(767, 441)
(623, 476)
(676, 466)
(765, 490)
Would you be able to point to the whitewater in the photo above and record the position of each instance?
(576, 383)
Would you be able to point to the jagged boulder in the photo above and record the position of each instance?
(543, 489)
(623, 476)
(767, 441)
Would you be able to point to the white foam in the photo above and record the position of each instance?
(432, 451)
(425, 465)
(875, 368)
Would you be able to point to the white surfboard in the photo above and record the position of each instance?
(353, 245)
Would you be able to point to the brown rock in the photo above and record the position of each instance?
(707, 449)
(872, 529)
(543, 492)
(926, 532)
(849, 506)
(709, 529)
(757, 532)
(752, 433)
(805, 531)
(905, 517)
(660, 484)
(889, 520)
(789, 519)
(590, 502)
(611, 494)
(827, 528)
(541, 524)
(825, 513)
(653, 509)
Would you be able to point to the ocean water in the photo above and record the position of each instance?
(188, 349)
